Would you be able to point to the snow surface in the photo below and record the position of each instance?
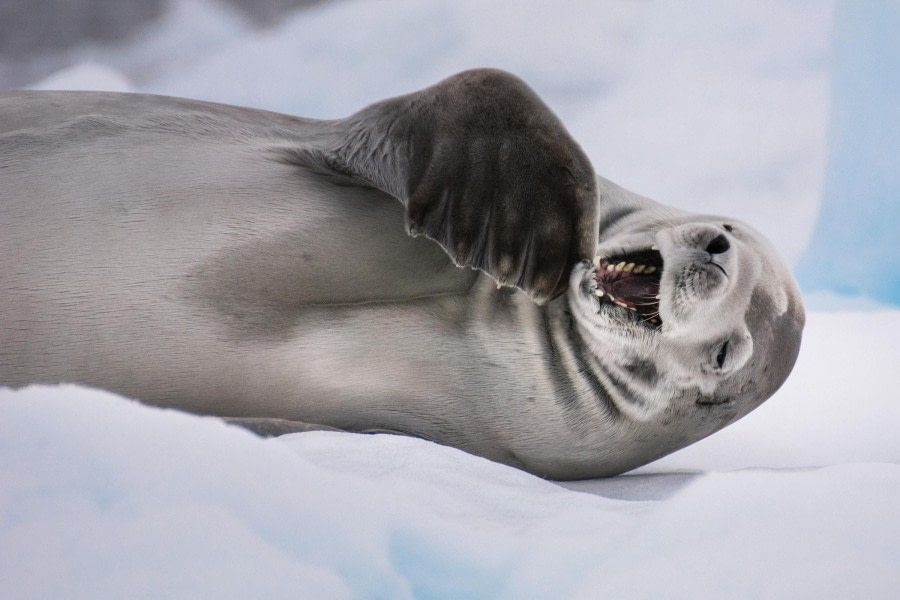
(101, 497)
(85, 76)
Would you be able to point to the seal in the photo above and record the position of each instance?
(290, 274)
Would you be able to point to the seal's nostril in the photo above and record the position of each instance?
(718, 245)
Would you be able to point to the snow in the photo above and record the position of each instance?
(731, 108)
(85, 76)
(99, 494)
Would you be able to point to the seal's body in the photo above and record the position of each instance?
(256, 266)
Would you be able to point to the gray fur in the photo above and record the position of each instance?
(255, 266)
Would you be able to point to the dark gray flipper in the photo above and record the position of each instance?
(484, 168)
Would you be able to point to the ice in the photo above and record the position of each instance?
(854, 251)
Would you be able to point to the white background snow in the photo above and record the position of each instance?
(712, 106)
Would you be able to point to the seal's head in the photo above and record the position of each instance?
(690, 316)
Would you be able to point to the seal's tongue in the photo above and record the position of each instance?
(631, 281)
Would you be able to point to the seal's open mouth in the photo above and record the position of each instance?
(631, 281)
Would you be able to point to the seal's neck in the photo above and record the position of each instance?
(577, 381)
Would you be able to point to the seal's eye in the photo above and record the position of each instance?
(722, 355)
(728, 227)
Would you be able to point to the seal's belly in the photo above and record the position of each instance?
(150, 266)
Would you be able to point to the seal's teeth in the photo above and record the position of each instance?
(628, 267)
(597, 260)
(499, 285)
(622, 304)
(657, 296)
(612, 298)
(599, 293)
(638, 268)
(611, 268)
(620, 266)
(649, 269)
(654, 247)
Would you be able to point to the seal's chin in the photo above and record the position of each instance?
(631, 281)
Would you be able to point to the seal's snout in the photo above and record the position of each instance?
(701, 242)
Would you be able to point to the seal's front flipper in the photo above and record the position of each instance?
(484, 168)
(266, 427)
